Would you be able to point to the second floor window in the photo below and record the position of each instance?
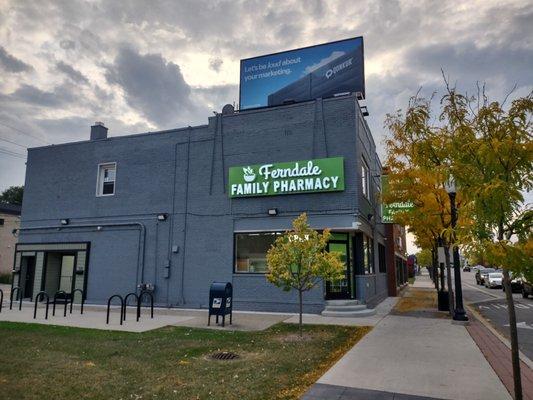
(365, 178)
(106, 179)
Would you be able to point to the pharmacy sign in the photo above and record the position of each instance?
(307, 176)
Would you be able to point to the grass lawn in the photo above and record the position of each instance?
(53, 362)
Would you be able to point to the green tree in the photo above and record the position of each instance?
(298, 260)
(493, 163)
(12, 195)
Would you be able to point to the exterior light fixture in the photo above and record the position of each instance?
(272, 211)
(364, 110)
(370, 216)
(65, 221)
(162, 217)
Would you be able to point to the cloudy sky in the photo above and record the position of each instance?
(149, 65)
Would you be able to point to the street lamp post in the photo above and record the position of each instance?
(459, 313)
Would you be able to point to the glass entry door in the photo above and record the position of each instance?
(340, 289)
(67, 273)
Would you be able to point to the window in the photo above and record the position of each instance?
(381, 256)
(1, 222)
(365, 177)
(251, 250)
(106, 179)
(368, 255)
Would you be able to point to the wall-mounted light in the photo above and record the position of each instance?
(162, 217)
(272, 211)
(65, 221)
(98, 228)
(369, 217)
(364, 110)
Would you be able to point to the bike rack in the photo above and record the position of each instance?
(41, 295)
(1, 299)
(55, 301)
(143, 292)
(126, 303)
(82, 299)
(121, 307)
(13, 290)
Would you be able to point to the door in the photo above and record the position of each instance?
(66, 276)
(28, 264)
(340, 289)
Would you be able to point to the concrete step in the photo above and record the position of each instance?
(367, 312)
(356, 307)
(342, 302)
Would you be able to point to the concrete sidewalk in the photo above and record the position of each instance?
(406, 357)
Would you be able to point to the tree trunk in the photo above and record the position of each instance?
(514, 336)
(301, 311)
(513, 330)
(449, 279)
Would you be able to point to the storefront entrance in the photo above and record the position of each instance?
(28, 275)
(342, 289)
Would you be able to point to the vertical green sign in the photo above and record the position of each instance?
(307, 176)
(388, 210)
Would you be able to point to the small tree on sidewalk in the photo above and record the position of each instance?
(299, 260)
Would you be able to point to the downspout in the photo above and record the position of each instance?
(142, 237)
(182, 283)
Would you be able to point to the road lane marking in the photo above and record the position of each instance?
(522, 325)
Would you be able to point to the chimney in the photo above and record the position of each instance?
(98, 131)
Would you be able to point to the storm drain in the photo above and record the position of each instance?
(224, 356)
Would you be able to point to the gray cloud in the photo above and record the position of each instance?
(12, 64)
(32, 95)
(67, 44)
(152, 85)
(72, 73)
(215, 63)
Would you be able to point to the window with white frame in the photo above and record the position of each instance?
(365, 177)
(106, 179)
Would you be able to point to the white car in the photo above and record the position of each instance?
(493, 279)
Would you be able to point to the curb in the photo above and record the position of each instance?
(502, 338)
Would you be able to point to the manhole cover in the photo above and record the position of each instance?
(224, 356)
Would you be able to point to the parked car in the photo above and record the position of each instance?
(477, 267)
(527, 289)
(466, 268)
(516, 284)
(493, 279)
(481, 273)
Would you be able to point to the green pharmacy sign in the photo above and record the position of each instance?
(388, 210)
(308, 176)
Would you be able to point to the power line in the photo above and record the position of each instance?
(11, 151)
(16, 155)
(15, 143)
(25, 133)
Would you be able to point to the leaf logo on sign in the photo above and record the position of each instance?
(249, 174)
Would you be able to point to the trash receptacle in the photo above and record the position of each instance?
(220, 301)
(443, 298)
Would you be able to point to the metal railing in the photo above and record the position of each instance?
(41, 295)
(82, 299)
(141, 295)
(121, 307)
(138, 308)
(16, 289)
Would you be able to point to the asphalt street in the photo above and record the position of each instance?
(492, 305)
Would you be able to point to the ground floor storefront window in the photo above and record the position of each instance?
(251, 250)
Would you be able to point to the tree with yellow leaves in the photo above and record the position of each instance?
(299, 260)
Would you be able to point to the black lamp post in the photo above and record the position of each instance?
(459, 313)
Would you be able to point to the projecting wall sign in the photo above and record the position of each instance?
(308, 176)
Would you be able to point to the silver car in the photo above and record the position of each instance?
(493, 280)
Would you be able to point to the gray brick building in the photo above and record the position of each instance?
(111, 213)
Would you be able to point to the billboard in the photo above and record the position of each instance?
(271, 179)
(302, 74)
